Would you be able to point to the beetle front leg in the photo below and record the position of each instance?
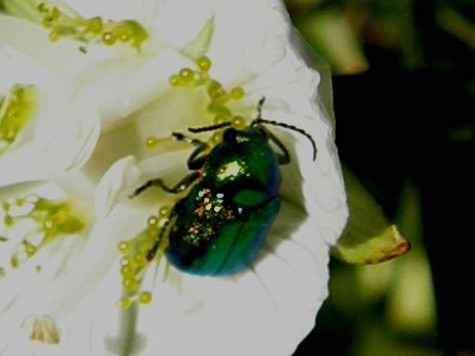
(197, 158)
(181, 186)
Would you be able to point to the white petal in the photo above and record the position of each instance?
(178, 22)
(118, 10)
(16, 68)
(74, 140)
(82, 274)
(118, 182)
(24, 164)
(61, 58)
(140, 81)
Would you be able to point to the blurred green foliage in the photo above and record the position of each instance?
(404, 90)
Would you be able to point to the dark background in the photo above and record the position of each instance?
(404, 89)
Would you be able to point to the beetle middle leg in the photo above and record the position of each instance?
(181, 186)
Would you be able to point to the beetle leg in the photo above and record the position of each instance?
(158, 182)
(283, 157)
(197, 158)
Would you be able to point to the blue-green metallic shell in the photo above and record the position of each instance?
(219, 227)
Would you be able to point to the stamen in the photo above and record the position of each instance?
(134, 262)
(219, 97)
(66, 23)
(17, 108)
(34, 222)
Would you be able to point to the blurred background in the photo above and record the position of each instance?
(404, 90)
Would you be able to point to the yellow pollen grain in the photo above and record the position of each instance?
(131, 285)
(124, 261)
(108, 39)
(187, 76)
(237, 93)
(14, 262)
(204, 63)
(164, 211)
(30, 249)
(95, 25)
(127, 271)
(8, 220)
(125, 303)
(238, 123)
(145, 297)
(140, 259)
(152, 220)
(123, 247)
(152, 142)
(175, 81)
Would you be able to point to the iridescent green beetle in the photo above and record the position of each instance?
(220, 225)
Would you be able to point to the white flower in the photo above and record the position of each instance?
(202, 62)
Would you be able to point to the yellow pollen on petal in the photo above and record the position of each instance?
(17, 108)
(31, 223)
(64, 22)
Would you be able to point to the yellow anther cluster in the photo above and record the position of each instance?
(17, 107)
(43, 221)
(67, 23)
(218, 95)
(136, 259)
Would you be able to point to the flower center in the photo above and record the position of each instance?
(16, 109)
(33, 222)
(69, 24)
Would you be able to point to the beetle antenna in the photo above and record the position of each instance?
(209, 128)
(260, 120)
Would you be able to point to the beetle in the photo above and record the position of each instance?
(221, 223)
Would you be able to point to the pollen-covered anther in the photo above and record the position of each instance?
(137, 256)
(42, 329)
(66, 23)
(17, 108)
(133, 265)
(32, 222)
